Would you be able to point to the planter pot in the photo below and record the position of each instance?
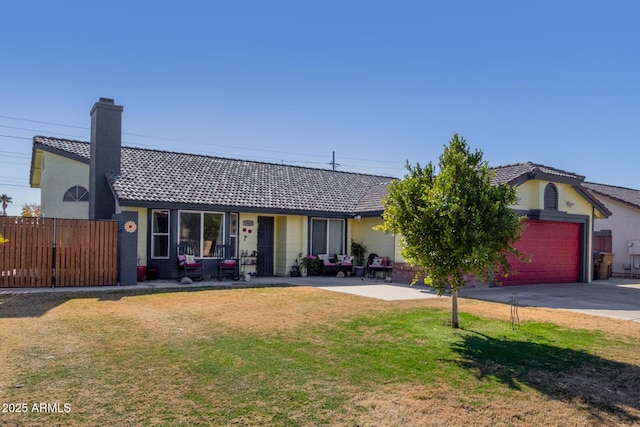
(152, 273)
(359, 270)
(142, 272)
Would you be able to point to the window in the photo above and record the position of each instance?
(327, 236)
(203, 230)
(551, 197)
(160, 234)
(76, 194)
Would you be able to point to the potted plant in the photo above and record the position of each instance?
(142, 270)
(358, 251)
(311, 264)
(296, 268)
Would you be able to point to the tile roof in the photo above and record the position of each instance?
(152, 176)
(624, 195)
(520, 172)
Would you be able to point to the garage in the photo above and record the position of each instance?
(554, 249)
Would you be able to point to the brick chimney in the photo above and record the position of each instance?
(106, 142)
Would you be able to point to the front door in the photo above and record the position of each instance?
(264, 263)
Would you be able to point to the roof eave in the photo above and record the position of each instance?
(597, 204)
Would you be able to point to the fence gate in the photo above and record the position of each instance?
(45, 252)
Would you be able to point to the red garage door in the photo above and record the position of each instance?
(554, 249)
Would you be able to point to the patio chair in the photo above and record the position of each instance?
(187, 263)
(377, 264)
(227, 265)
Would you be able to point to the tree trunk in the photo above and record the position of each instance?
(454, 309)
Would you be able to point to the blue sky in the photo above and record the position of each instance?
(378, 82)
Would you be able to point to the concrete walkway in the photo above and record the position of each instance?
(616, 298)
(362, 286)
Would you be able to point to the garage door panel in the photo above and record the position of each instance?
(554, 249)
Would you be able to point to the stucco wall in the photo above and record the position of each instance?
(379, 242)
(58, 175)
(531, 196)
(290, 237)
(624, 224)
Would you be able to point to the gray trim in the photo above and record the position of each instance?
(542, 176)
(240, 209)
(595, 202)
(61, 153)
(551, 196)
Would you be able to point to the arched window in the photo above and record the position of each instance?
(551, 197)
(76, 194)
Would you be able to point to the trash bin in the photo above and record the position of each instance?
(604, 267)
(597, 259)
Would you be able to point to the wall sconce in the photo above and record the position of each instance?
(570, 204)
(357, 217)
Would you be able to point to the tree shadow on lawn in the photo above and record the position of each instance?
(25, 304)
(589, 382)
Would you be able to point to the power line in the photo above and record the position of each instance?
(42, 122)
(40, 132)
(15, 137)
(6, 184)
(208, 144)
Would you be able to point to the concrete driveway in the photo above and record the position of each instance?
(616, 298)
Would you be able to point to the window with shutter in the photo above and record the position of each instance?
(551, 197)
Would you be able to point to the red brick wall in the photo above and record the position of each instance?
(404, 273)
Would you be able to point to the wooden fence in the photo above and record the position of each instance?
(45, 252)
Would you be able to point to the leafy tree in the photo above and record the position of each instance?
(5, 203)
(454, 223)
(31, 210)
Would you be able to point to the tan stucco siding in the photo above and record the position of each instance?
(281, 254)
(376, 241)
(58, 174)
(531, 196)
(290, 239)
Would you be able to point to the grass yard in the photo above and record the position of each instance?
(298, 356)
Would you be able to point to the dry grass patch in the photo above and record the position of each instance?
(303, 356)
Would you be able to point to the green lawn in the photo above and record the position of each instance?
(183, 359)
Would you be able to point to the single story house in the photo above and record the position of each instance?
(271, 214)
(622, 228)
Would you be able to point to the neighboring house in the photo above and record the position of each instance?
(559, 215)
(277, 211)
(623, 226)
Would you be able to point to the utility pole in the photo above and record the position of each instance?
(333, 162)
